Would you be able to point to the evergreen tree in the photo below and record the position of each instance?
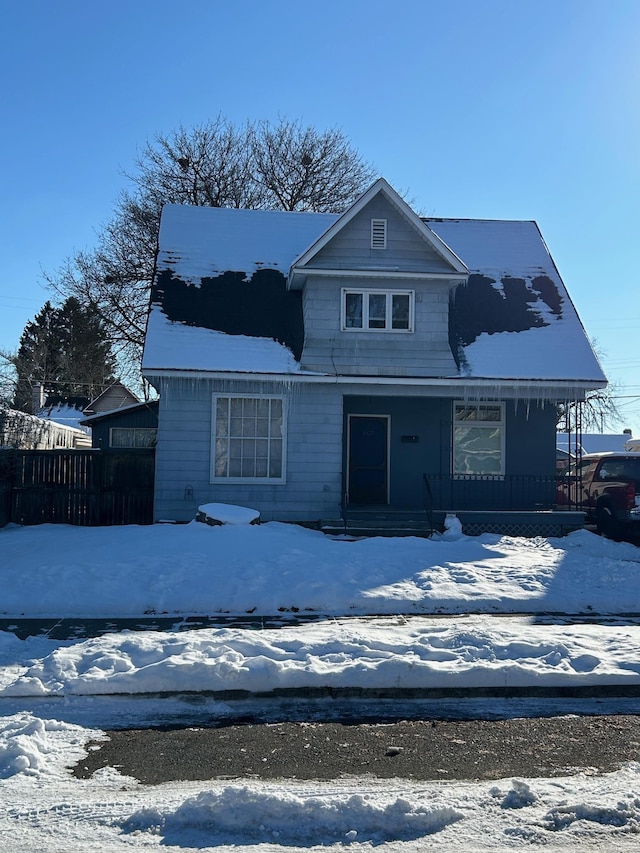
(37, 359)
(65, 349)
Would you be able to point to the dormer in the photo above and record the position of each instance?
(378, 236)
(375, 292)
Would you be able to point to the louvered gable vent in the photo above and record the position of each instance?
(378, 233)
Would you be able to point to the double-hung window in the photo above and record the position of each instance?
(248, 439)
(377, 310)
(478, 439)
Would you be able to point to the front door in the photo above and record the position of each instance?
(368, 454)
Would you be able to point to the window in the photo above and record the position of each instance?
(248, 439)
(478, 439)
(377, 310)
(128, 437)
(378, 233)
(619, 469)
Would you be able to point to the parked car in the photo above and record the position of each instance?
(606, 486)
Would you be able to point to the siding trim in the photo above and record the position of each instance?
(380, 272)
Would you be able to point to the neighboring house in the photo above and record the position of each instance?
(316, 366)
(114, 397)
(68, 416)
(29, 432)
(126, 428)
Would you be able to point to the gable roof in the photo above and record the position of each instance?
(113, 397)
(381, 187)
(512, 320)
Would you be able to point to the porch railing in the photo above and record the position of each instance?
(512, 492)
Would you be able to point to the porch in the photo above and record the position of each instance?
(516, 505)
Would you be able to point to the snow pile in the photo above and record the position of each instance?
(38, 747)
(353, 654)
(239, 815)
(274, 568)
(228, 514)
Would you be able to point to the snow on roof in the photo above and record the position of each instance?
(203, 241)
(513, 319)
(513, 268)
(558, 351)
(68, 416)
(92, 419)
(496, 247)
(182, 347)
(595, 442)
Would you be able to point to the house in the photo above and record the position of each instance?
(30, 432)
(360, 369)
(126, 428)
(115, 396)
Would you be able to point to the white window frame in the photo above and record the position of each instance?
(479, 424)
(366, 292)
(228, 437)
(133, 431)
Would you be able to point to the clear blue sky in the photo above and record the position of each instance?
(526, 109)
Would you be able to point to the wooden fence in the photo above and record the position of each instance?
(84, 487)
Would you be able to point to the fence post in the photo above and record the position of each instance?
(7, 469)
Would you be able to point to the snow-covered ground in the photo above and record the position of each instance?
(437, 601)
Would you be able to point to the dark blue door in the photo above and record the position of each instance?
(367, 460)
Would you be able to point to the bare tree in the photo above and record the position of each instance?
(8, 377)
(599, 411)
(286, 166)
(303, 169)
(209, 165)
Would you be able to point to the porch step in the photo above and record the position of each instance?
(380, 523)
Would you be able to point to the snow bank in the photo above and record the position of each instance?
(238, 815)
(353, 654)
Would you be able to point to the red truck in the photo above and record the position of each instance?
(605, 486)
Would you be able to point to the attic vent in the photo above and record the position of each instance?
(378, 233)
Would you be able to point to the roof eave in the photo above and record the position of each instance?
(298, 276)
(454, 383)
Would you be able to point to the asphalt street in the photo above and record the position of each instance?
(411, 749)
(318, 749)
